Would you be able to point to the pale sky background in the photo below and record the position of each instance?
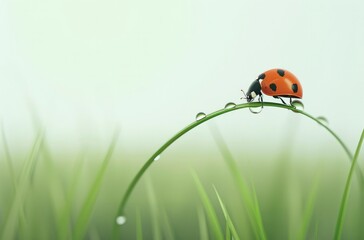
(150, 66)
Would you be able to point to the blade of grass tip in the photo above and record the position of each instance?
(29, 165)
(154, 210)
(16, 210)
(33, 167)
(8, 157)
(308, 211)
(64, 218)
(247, 196)
(37, 124)
(208, 117)
(258, 215)
(139, 227)
(229, 224)
(202, 225)
(339, 223)
(211, 214)
(87, 206)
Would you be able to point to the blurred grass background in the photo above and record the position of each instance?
(79, 68)
(56, 196)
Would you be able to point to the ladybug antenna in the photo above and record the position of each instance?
(244, 97)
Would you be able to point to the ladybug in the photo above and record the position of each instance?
(277, 83)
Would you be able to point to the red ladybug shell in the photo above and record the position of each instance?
(280, 83)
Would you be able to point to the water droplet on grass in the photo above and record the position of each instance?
(120, 220)
(230, 105)
(200, 116)
(323, 120)
(298, 105)
(157, 158)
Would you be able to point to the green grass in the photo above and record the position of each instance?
(49, 195)
(89, 202)
(250, 200)
(191, 126)
(209, 209)
(15, 217)
(340, 219)
(248, 196)
(308, 211)
(229, 225)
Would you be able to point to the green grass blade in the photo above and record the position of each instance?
(341, 142)
(139, 227)
(211, 214)
(230, 228)
(202, 225)
(227, 230)
(258, 216)
(167, 227)
(248, 196)
(15, 215)
(210, 116)
(154, 211)
(340, 219)
(8, 158)
(92, 194)
(28, 168)
(308, 211)
(64, 218)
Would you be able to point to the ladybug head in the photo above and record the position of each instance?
(253, 91)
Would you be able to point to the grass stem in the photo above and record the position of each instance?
(194, 124)
(339, 223)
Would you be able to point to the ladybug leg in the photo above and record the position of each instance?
(260, 99)
(282, 101)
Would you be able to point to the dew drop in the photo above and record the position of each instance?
(120, 220)
(230, 105)
(157, 158)
(323, 120)
(200, 116)
(298, 105)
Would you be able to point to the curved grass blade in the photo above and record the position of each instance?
(258, 216)
(211, 214)
(157, 235)
(64, 218)
(340, 218)
(248, 196)
(149, 162)
(204, 234)
(139, 227)
(8, 157)
(308, 211)
(91, 197)
(230, 228)
(15, 216)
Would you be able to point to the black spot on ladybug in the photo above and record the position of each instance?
(273, 86)
(280, 72)
(261, 76)
(294, 87)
